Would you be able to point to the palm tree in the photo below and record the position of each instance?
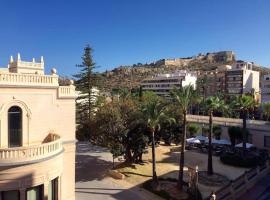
(266, 110)
(184, 98)
(202, 82)
(213, 104)
(154, 113)
(244, 103)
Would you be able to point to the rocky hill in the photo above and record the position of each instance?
(131, 76)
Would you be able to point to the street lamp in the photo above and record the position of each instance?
(197, 179)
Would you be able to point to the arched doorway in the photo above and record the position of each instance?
(14, 126)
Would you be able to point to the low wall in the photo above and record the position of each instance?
(243, 183)
(258, 129)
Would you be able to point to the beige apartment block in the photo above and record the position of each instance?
(37, 134)
(236, 79)
(242, 79)
(265, 88)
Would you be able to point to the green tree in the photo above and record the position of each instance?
(212, 104)
(193, 129)
(202, 83)
(110, 128)
(154, 113)
(266, 110)
(85, 81)
(116, 150)
(217, 132)
(184, 98)
(244, 104)
(235, 133)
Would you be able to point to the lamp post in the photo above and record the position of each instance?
(197, 179)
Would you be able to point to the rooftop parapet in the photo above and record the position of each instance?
(26, 67)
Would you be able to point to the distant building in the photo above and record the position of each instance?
(242, 79)
(221, 56)
(236, 79)
(265, 89)
(162, 84)
(37, 133)
(215, 81)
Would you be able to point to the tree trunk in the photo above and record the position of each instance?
(245, 130)
(180, 182)
(210, 148)
(155, 179)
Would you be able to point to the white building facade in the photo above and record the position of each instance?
(242, 79)
(162, 84)
(37, 134)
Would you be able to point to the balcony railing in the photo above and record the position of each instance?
(11, 79)
(66, 91)
(19, 155)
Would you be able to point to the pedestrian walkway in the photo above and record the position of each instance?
(92, 163)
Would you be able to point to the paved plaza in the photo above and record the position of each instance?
(92, 162)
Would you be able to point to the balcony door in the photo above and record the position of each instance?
(15, 126)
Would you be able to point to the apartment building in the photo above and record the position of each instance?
(242, 79)
(37, 133)
(238, 78)
(265, 88)
(213, 82)
(162, 84)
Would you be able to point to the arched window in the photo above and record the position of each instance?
(14, 126)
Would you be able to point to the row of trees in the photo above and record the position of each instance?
(130, 122)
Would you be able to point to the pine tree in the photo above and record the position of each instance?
(85, 82)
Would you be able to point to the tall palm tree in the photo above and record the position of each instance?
(244, 104)
(266, 110)
(202, 83)
(213, 104)
(154, 113)
(184, 98)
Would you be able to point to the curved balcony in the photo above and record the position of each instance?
(51, 146)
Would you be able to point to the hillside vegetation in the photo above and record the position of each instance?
(131, 76)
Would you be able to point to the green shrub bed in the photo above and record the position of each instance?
(165, 194)
(238, 160)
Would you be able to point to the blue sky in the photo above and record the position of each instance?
(130, 31)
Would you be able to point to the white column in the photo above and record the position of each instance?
(45, 190)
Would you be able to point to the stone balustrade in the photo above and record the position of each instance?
(34, 153)
(66, 91)
(16, 79)
(243, 183)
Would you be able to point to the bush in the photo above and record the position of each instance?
(82, 133)
(205, 131)
(239, 160)
(235, 133)
(148, 186)
(193, 129)
(217, 132)
(166, 195)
